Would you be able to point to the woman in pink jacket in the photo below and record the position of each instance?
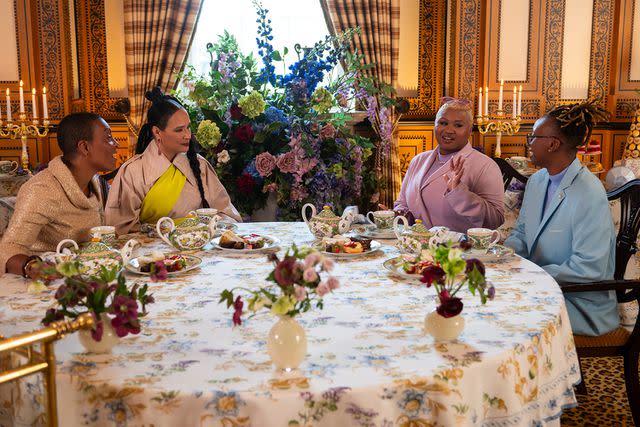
(453, 185)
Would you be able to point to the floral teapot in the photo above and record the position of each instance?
(326, 223)
(95, 254)
(190, 234)
(417, 237)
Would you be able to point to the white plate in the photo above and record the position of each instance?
(270, 244)
(375, 247)
(224, 226)
(192, 262)
(493, 254)
(394, 265)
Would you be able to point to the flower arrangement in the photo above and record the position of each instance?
(286, 134)
(105, 293)
(449, 272)
(297, 285)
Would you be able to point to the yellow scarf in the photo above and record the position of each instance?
(163, 196)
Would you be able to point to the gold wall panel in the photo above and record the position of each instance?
(413, 139)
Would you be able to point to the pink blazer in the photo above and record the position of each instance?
(478, 201)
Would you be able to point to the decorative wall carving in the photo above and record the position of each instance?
(552, 68)
(51, 55)
(601, 40)
(469, 46)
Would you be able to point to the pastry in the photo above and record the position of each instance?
(231, 240)
(253, 241)
(365, 242)
(353, 248)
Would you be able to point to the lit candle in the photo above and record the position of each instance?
(480, 105)
(8, 106)
(45, 111)
(515, 103)
(520, 101)
(21, 98)
(486, 100)
(500, 97)
(33, 103)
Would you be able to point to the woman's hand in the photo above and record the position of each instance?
(452, 179)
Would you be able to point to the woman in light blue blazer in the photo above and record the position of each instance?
(564, 224)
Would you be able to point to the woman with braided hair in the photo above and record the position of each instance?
(166, 177)
(564, 224)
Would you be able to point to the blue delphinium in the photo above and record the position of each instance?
(273, 114)
(265, 49)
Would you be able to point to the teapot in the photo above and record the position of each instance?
(417, 237)
(95, 254)
(190, 234)
(326, 223)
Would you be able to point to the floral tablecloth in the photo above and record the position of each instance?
(369, 362)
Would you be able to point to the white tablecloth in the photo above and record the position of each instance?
(368, 364)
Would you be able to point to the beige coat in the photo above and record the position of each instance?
(138, 174)
(50, 207)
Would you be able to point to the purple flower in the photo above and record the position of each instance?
(97, 330)
(124, 307)
(473, 262)
(449, 306)
(124, 326)
(284, 272)
(431, 274)
(491, 292)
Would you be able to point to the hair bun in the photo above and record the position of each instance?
(155, 95)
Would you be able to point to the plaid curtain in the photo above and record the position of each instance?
(379, 21)
(157, 36)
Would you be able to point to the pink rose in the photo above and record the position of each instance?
(312, 259)
(327, 264)
(333, 283)
(300, 292)
(265, 162)
(287, 162)
(322, 289)
(310, 275)
(328, 131)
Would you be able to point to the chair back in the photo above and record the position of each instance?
(629, 195)
(509, 173)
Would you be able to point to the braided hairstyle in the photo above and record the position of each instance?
(162, 108)
(576, 121)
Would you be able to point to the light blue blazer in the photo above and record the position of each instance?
(574, 242)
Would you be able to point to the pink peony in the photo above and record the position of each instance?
(312, 259)
(287, 162)
(265, 162)
(333, 283)
(310, 275)
(327, 264)
(328, 131)
(322, 289)
(300, 292)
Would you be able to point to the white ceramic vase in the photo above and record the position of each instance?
(287, 343)
(443, 328)
(108, 341)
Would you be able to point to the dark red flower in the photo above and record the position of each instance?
(124, 308)
(449, 306)
(284, 272)
(244, 133)
(433, 273)
(237, 314)
(97, 330)
(235, 111)
(246, 183)
(159, 271)
(124, 326)
(473, 262)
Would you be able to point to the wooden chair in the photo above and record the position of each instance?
(42, 360)
(620, 342)
(509, 173)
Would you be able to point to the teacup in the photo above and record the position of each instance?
(104, 233)
(519, 162)
(382, 219)
(8, 166)
(483, 238)
(205, 214)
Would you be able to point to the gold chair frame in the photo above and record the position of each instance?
(41, 361)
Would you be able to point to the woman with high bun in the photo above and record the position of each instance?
(564, 224)
(166, 177)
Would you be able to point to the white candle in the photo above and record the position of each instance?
(520, 101)
(8, 106)
(500, 97)
(515, 103)
(486, 100)
(45, 111)
(21, 98)
(480, 102)
(33, 103)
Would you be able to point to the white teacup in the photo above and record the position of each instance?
(105, 233)
(440, 233)
(8, 166)
(206, 214)
(483, 238)
(382, 219)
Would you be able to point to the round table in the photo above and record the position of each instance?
(369, 363)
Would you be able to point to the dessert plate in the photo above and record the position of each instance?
(378, 234)
(191, 262)
(270, 243)
(375, 247)
(394, 266)
(493, 254)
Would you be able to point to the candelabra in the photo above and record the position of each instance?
(22, 129)
(498, 124)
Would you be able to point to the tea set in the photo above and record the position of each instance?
(94, 255)
(8, 167)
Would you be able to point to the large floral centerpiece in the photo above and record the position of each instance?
(286, 135)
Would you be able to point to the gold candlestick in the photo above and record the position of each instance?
(22, 129)
(498, 124)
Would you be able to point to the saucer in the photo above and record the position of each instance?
(379, 234)
(495, 253)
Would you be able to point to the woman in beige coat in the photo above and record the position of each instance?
(166, 177)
